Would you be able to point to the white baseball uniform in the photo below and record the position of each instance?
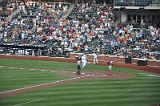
(95, 60)
(84, 61)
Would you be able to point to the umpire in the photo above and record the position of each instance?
(78, 66)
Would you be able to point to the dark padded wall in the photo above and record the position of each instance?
(101, 1)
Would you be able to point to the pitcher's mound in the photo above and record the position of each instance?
(97, 74)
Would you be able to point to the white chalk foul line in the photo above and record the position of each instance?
(32, 69)
(29, 69)
(150, 75)
(29, 102)
(40, 85)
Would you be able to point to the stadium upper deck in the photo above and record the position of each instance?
(136, 4)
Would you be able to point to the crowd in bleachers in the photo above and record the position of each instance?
(44, 28)
(90, 23)
(6, 8)
(36, 23)
(138, 41)
(88, 28)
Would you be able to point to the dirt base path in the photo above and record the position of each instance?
(97, 74)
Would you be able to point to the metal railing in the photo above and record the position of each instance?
(136, 3)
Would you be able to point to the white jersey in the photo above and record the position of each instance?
(84, 61)
(94, 55)
(83, 58)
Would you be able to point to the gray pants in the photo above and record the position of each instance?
(78, 72)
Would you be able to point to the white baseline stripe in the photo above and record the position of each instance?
(32, 69)
(38, 85)
(28, 102)
(150, 75)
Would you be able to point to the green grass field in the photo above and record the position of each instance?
(143, 90)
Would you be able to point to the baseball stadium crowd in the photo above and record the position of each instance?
(7, 8)
(88, 28)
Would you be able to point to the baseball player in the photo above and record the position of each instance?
(84, 60)
(110, 64)
(95, 60)
(78, 66)
(85, 63)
